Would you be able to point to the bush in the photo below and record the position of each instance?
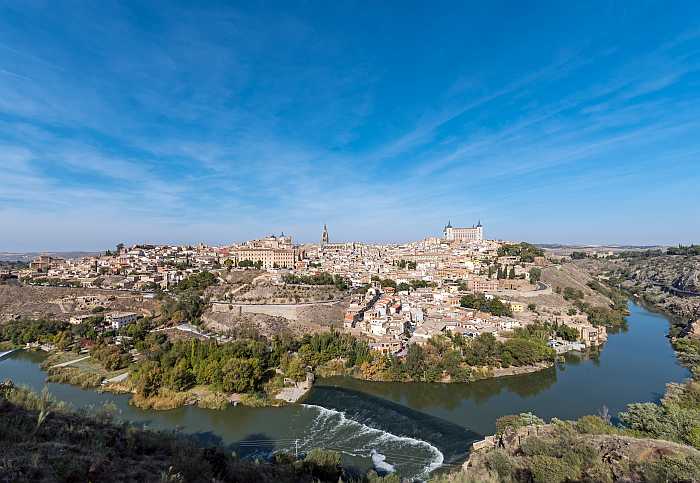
(502, 463)
(547, 469)
(324, 464)
(516, 421)
(594, 425)
(671, 468)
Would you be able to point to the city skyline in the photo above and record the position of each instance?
(168, 123)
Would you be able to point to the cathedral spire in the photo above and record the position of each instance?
(324, 235)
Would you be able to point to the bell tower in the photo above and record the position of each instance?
(324, 235)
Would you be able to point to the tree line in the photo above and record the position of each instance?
(323, 278)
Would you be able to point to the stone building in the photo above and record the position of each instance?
(474, 233)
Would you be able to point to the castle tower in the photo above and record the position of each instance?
(324, 235)
(448, 231)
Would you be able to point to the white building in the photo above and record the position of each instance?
(474, 233)
(120, 319)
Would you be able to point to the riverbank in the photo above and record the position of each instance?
(92, 448)
(634, 366)
(652, 441)
(64, 368)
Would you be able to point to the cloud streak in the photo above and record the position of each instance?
(227, 124)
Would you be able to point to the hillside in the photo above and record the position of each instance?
(655, 279)
(585, 450)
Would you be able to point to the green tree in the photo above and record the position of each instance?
(241, 375)
(148, 377)
(180, 377)
(415, 361)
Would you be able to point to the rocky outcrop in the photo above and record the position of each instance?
(615, 457)
(688, 281)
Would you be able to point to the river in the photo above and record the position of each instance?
(416, 427)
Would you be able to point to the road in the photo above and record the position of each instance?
(64, 364)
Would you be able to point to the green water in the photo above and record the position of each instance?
(416, 426)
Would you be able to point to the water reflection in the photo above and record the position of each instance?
(423, 396)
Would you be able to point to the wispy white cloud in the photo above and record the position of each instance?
(237, 128)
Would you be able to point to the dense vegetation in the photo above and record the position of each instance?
(589, 449)
(403, 286)
(689, 250)
(23, 331)
(491, 305)
(525, 251)
(323, 278)
(247, 264)
(457, 358)
(187, 301)
(246, 365)
(42, 440)
(198, 281)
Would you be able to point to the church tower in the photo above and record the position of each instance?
(324, 235)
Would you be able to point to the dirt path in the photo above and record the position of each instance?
(64, 364)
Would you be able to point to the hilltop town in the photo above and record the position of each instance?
(391, 296)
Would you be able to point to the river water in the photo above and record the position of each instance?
(410, 428)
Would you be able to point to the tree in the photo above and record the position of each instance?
(480, 302)
(517, 421)
(415, 361)
(293, 367)
(571, 293)
(148, 378)
(525, 251)
(535, 275)
(482, 351)
(566, 332)
(241, 375)
(527, 351)
(180, 377)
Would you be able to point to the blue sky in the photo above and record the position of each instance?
(183, 122)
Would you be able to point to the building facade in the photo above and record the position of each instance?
(474, 233)
(269, 257)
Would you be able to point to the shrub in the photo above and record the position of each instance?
(324, 464)
(502, 463)
(516, 421)
(670, 468)
(593, 425)
(547, 469)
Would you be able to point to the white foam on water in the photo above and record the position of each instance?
(379, 462)
(338, 419)
(3, 354)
